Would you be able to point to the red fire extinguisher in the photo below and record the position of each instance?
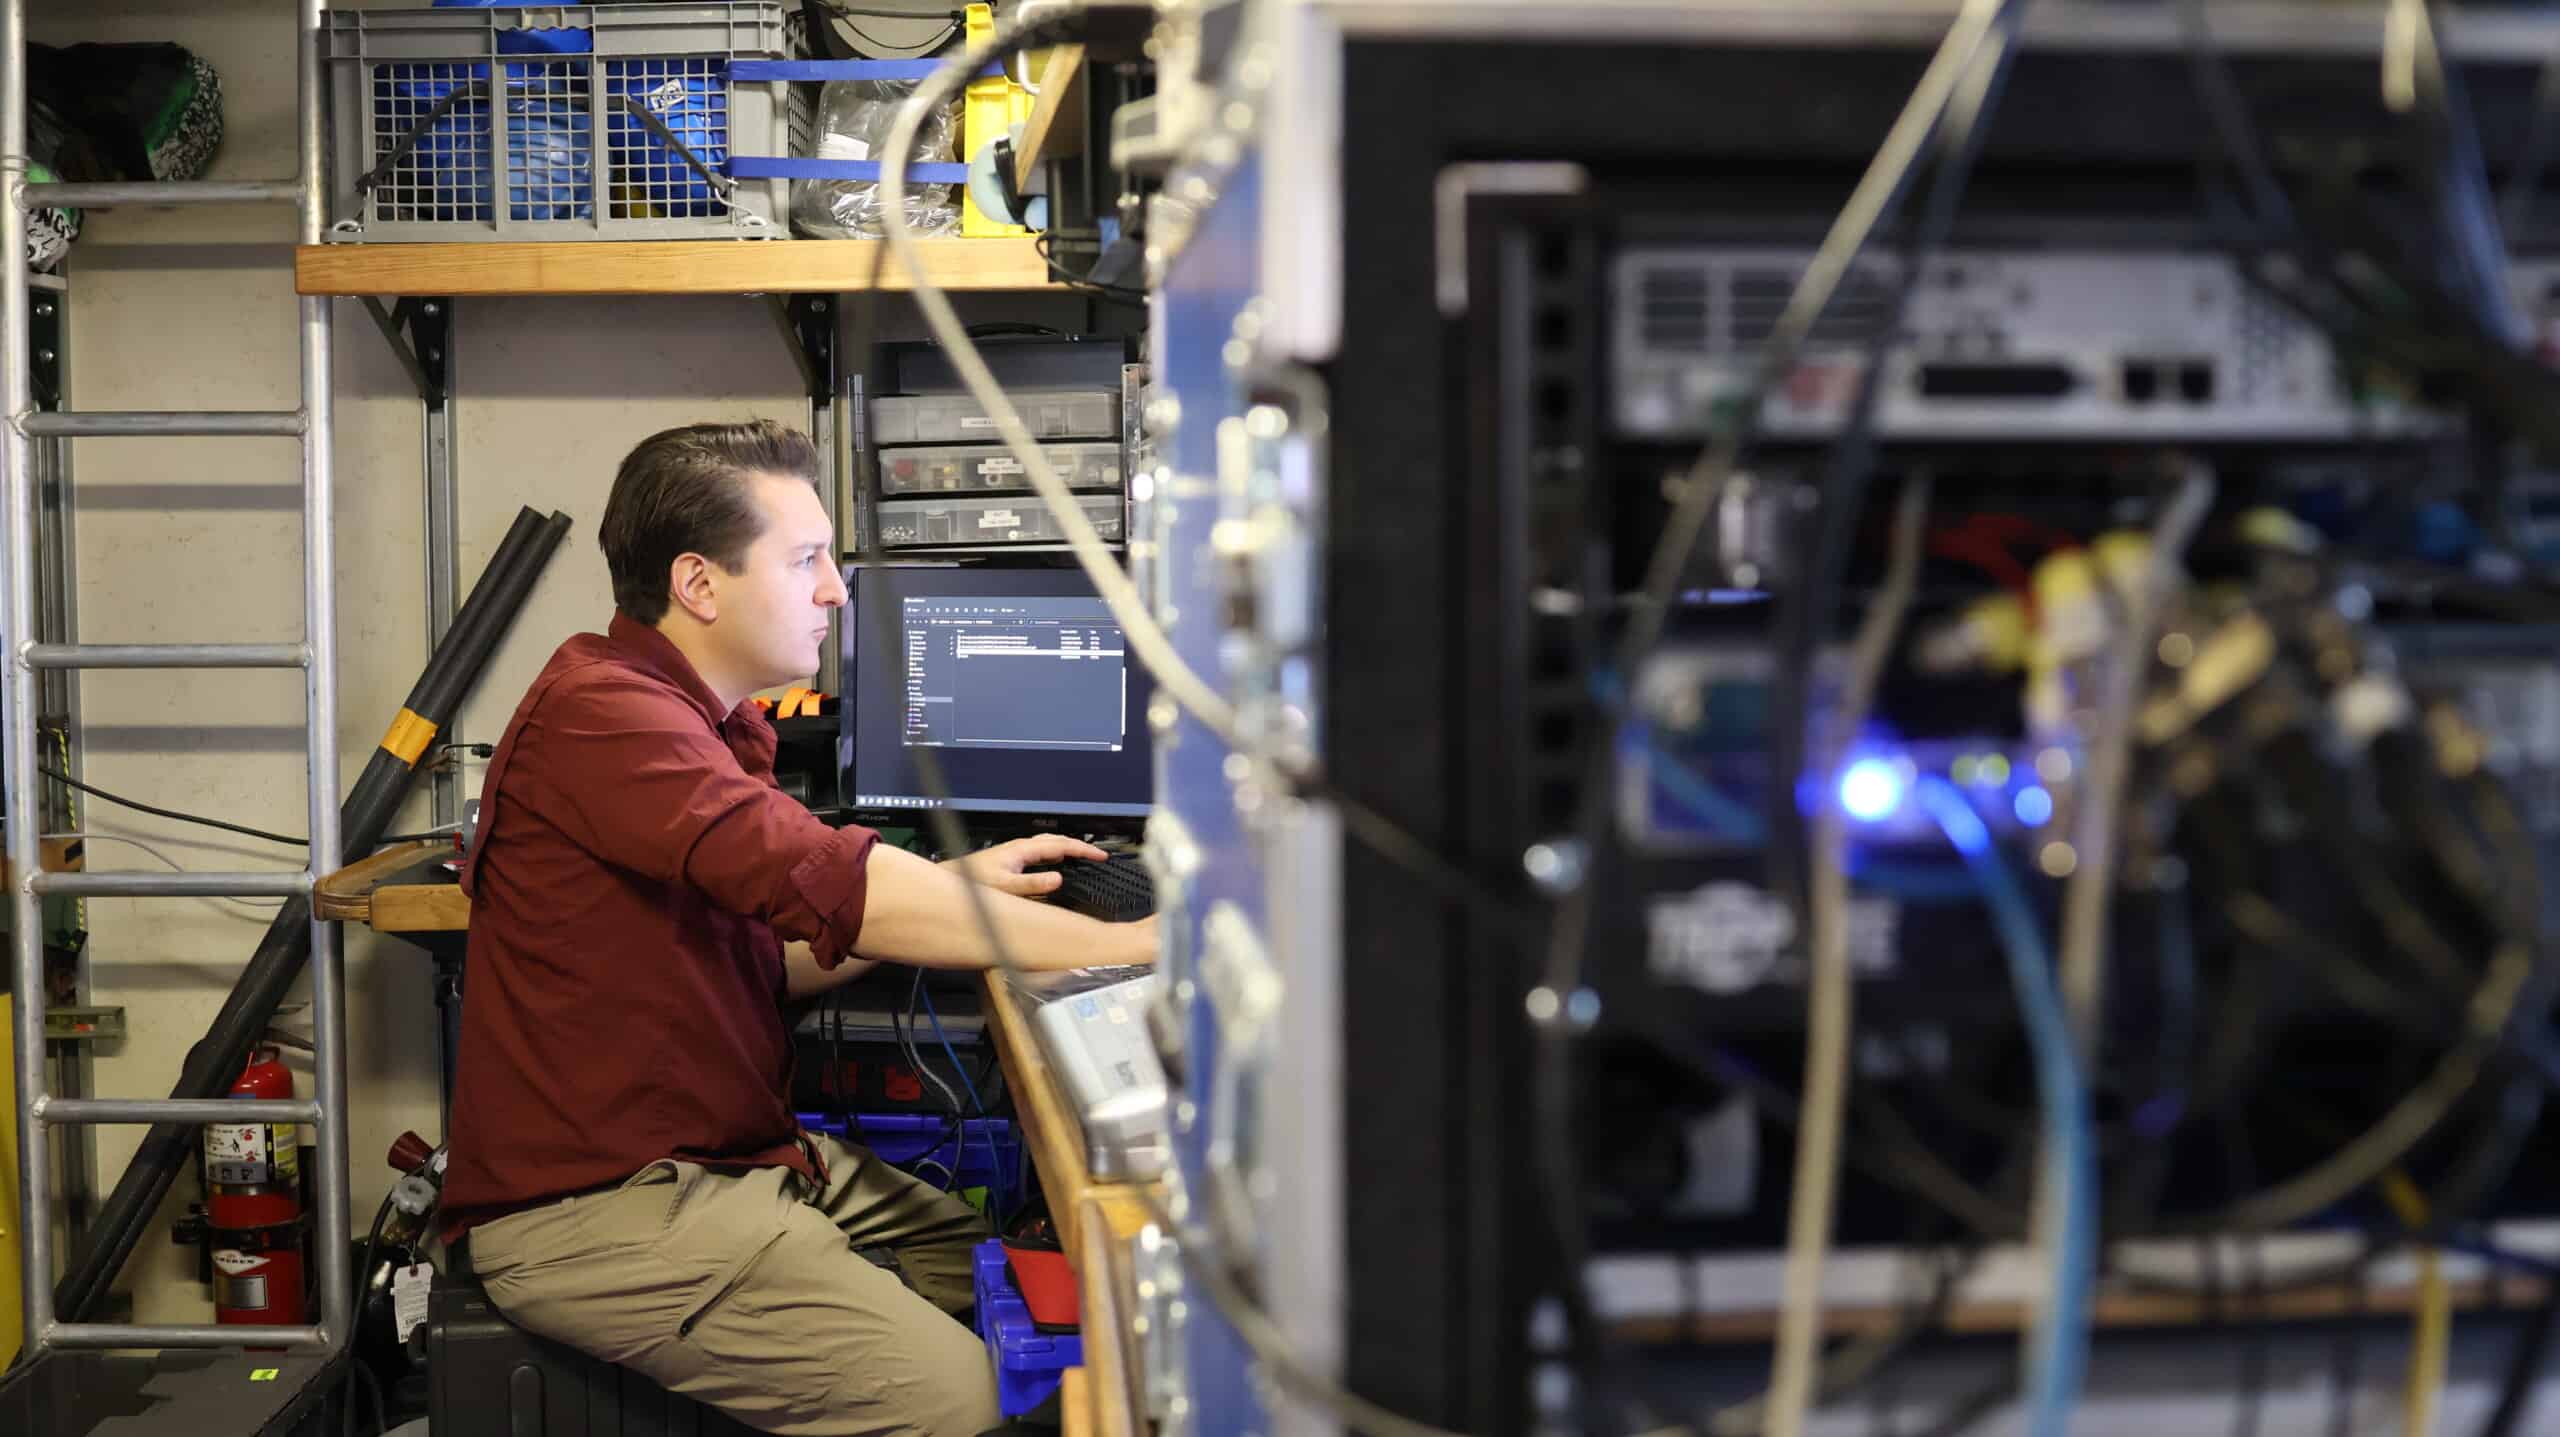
(253, 1208)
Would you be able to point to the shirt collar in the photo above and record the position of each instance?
(645, 647)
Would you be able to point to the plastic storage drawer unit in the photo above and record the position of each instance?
(992, 468)
(1029, 1362)
(921, 523)
(979, 1153)
(958, 419)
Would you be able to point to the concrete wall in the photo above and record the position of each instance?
(200, 540)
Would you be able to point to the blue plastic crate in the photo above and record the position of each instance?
(1029, 1362)
(986, 1152)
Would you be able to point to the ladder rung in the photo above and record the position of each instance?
(94, 1335)
(178, 1110)
(168, 656)
(109, 195)
(163, 423)
(173, 885)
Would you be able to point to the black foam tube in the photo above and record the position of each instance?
(215, 1061)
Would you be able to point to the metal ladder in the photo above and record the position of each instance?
(21, 658)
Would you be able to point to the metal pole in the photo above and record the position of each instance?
(173, 885)
(830, 410)
(320, 684)
(165, 656)
(17, 625)
(179, 1110)
(58, 709)
(443, 444)
(93, 1336)
(169, 423)
(114, 193)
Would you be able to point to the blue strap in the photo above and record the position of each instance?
(776, 167)
(842, 70)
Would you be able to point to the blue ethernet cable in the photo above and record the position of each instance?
(2059, 1349)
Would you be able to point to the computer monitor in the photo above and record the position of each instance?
(1017, 679)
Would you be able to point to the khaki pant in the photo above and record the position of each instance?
(745, 1291)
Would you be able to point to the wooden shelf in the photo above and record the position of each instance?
(659, 267)
(1056, 126)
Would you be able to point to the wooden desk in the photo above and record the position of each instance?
(1113, 1390)
(382, 892)
(1095, 1222)
(1050, 1130)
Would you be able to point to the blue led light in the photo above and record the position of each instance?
(2033, 805)
(1870, 790)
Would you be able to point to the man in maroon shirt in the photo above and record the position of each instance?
(644, 901)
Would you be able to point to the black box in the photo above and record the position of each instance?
(487, 1375)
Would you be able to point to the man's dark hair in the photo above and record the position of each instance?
(685, 491)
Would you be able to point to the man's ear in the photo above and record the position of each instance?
(692, 587)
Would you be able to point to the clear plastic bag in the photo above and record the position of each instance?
(854, 120)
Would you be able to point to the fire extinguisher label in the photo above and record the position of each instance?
(235, 1142)
(240, 1281)
(251, 1153)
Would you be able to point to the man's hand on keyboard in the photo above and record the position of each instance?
(1001, 866)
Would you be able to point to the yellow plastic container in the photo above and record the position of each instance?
(993, 106)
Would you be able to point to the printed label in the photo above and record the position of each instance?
(409, 1289)
(999, 519)
(1001, 464)
(235, 1142)
(239, 1281)
(1733, 937)
(977, 421)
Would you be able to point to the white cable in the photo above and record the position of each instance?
(1830, 993)
(2085, 901)
(2081, 963)
(1174, 677)
(95, 836)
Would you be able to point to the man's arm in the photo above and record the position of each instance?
(802, 977)
(920, 913)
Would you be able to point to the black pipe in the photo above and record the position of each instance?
(213, 1063)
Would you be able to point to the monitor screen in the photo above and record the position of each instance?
(1018, 681)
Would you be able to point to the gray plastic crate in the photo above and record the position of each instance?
(925, 523)
(991, 468)
(555, 147)
(958, 419)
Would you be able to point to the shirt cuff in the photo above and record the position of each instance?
(834, 879)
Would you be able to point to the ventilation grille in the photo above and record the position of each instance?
(1694, 305)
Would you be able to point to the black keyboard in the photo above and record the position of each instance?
(1119, 890)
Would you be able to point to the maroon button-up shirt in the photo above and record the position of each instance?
(636, 873)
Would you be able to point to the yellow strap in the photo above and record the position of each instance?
(408, 738)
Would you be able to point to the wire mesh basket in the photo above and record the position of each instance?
(566, 122)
